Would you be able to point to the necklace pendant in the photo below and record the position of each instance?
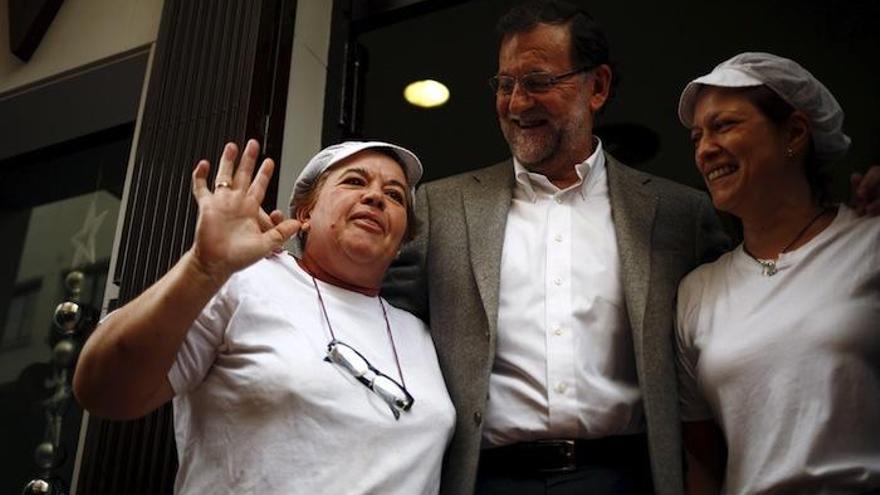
(768, 268)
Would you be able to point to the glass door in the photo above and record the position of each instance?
(58, 214)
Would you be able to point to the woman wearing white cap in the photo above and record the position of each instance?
(779, 340)
(288, 375)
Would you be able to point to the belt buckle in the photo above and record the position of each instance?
(563, 453)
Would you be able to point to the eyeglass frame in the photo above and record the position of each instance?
(554, 79)
(370, 384)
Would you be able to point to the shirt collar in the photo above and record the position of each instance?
(530, 183)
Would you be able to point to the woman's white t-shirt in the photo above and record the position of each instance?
(789, 365)
(258, 409)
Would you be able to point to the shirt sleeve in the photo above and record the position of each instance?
(687, 354)
(202, 343)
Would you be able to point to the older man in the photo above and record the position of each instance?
(548, 281)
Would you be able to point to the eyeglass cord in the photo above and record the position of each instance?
(387, 327)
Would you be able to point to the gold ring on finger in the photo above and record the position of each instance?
(222, 184)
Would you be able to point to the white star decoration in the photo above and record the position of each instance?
(84, 239)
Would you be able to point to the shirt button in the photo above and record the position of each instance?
(558, 200)
(558, 331)
(557, 238)
(478, 418)
(558, 281)
(561, 388)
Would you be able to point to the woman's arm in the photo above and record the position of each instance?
(705, 457)
(704, 446)
(122, 371)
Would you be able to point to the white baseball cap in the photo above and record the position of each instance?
(334, 154)
(791, 82)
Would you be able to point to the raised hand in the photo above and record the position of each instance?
(232, 230)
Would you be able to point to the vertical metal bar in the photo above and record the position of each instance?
(204, 90)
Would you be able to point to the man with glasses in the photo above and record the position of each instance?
(548, 283)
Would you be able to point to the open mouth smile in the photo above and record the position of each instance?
(722, 171)
(529, 123)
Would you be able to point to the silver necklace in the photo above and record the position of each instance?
(768, 267)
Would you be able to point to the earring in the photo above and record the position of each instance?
(789, 153)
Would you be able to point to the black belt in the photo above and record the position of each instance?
(560, 456)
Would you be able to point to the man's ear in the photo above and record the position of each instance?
(600, 86)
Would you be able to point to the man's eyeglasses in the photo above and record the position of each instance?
(394, 394)
(534, 82)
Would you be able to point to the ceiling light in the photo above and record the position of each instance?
(426, 94)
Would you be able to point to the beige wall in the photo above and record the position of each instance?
(83, 32)
(305, 98)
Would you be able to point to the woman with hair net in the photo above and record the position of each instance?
(778, 341)
(288, 374)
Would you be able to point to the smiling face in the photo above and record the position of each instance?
(740, 153)
(359, 216)
(551, 130)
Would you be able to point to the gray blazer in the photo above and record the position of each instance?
(449, 277)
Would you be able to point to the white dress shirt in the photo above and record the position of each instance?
(564, 365)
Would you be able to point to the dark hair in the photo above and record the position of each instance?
(307, 200)
(589, 45)
(777, 110)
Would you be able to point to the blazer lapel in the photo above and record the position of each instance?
(486, 201)
(633, 207)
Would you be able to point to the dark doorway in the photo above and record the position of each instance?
(58, 214)
(659, 47)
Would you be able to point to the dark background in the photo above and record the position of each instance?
(658, 46)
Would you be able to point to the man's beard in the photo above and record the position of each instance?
(532, 151)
